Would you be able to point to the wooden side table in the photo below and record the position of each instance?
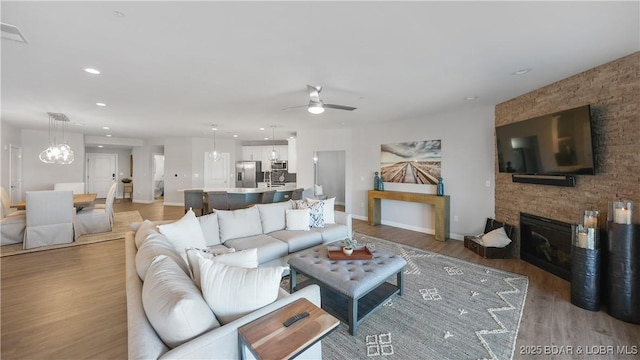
(127, 188)
(268, 338)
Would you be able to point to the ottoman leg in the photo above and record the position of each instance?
(292, 280)
(353, 316)
(400, 281)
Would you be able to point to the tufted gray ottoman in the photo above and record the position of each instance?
(351, 289)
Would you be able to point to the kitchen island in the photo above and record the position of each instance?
(240, 198)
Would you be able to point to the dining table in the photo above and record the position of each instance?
(79, 201)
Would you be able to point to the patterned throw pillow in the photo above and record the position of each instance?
(316, 212)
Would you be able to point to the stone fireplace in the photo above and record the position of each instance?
(546, 243)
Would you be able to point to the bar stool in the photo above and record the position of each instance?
(297, 194)
(217, 200)
(194, 199)
(267, 196)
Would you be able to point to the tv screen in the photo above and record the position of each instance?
(554, 144)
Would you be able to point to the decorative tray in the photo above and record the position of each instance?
(359, 253)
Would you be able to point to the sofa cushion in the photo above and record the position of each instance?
(144, 229)
(155, 245)
(239, 223)
(297, 219)
(333, 232)
(269, 248)
(210, 229)
(245, 258)
(184, 233)
(272, 215)
(174, 305)
(298, 240)
(328, 210)
(233, 292)
(496, 238)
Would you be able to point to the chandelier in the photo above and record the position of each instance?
(214, 154)
(57, 153)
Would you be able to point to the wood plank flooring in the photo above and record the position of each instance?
(71, 304)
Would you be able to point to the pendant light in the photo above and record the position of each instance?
(57, 153)
(274, 153)
(214, 154)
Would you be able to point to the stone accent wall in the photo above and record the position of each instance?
(613, 91)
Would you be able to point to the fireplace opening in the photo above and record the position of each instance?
(546, 243)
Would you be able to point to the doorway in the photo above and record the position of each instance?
(158, 176)
(101, 173)
(330, 172)
(15, 173)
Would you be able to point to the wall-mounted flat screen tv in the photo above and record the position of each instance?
(554, 144)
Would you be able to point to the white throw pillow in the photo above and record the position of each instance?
(496, 238)
(316, 212)
(272, 216)
(233, 292)
(328, 210)
(298, 219)
(155, 245)
(184, 233)
(174, 305)
(210, 229)
(245, 258)
(239, 223)
(318, 190)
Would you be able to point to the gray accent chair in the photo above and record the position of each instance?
(12, 221)
(297, 194)
(96, 220)
(194, 199)
(50, 217)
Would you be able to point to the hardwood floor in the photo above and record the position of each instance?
(70, 303)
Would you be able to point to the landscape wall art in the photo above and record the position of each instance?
(417, 162)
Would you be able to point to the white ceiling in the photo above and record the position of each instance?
(174, 68)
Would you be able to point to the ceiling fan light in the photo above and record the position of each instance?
(316, 108)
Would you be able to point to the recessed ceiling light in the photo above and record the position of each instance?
(101, 104)
(92, 71)
(235, 135)
(471, 98)
(100, 146)
(108, 135)
(105, 127)
(521, 72)
(261, 129)
(266, 138)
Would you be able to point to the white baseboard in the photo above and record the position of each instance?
(410, 227)
(173, 204)
(142, 201)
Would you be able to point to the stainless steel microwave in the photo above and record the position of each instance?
(278, 165)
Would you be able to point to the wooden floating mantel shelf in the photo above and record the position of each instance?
(441, 204)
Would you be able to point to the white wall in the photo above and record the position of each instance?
(467, 162)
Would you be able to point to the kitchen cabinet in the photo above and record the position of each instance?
(262, 153)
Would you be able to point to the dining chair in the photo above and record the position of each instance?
(111, 193)
(49, 218)
(297, 194)
(194, 199)
(217, 200)
(12, 222)
(96, 220)
(267, 196)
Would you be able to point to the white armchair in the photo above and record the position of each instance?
(49, 218)
(96, 220)
(12, 221)
(76, 187)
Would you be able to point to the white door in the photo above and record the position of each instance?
(101, 173)
(216, 173)
(15, 174)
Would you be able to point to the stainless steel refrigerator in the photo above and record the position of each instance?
(247, 173)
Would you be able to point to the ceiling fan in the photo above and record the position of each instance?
(317, 106)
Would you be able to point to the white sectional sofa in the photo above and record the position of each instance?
(263, 227)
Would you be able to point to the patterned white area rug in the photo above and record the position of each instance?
(450, 309)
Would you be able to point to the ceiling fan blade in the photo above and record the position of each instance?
(314, 93)
(295, 107)
(340, 107)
